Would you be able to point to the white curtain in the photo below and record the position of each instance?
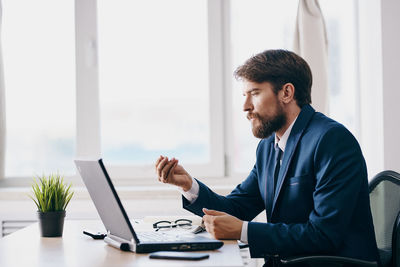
(2, 108)
(311, 43)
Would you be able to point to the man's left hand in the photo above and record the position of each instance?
(222, 225)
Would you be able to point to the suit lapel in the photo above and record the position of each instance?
(301, 123)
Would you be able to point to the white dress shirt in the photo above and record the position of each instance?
(192, 194)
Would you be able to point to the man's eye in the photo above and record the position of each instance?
(254, 93)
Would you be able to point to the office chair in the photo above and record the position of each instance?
(384, 192)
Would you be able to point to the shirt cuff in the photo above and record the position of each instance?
(192, 194)
(243, 236)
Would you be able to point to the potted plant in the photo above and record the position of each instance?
(51, 196)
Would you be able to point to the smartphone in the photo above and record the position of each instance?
(175, 255)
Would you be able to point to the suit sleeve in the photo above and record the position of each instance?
(244, 202)
(340, 173)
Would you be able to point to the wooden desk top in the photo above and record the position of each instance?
(27, 248)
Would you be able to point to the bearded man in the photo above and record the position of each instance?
(310, 175)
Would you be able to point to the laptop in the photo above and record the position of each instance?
(120, 232)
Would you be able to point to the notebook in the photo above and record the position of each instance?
(120, 232)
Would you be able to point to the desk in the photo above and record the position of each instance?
(26, 248)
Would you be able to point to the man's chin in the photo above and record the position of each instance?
(258, 133)
(256, 129)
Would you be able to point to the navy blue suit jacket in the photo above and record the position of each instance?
(321, 205)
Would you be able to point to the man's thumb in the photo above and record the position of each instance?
(213, 212)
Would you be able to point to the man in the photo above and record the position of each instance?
(310, 175)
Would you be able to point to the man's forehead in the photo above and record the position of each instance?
(249, 86)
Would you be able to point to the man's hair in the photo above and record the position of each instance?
(279, 67)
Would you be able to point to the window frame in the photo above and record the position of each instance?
(88, 138)
(88, 142)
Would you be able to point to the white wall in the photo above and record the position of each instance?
(390, 81)
(379, 43)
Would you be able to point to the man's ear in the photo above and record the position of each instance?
(287, 93)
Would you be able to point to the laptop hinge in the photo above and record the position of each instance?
(120, 243)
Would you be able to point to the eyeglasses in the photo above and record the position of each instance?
(165, 225)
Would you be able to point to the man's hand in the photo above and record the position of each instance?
(170, 172)
(222, 225)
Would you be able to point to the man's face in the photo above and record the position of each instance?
(264, 110)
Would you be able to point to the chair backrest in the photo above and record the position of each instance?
(384, 191)
(396, 242)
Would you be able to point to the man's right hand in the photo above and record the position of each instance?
(170, 172)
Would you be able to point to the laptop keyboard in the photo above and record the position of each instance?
(158, 236)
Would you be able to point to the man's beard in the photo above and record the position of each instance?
(268, 125)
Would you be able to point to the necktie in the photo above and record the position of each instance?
(278, 154)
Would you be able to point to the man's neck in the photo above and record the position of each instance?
(291, 115)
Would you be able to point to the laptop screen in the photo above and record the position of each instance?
(105, 198)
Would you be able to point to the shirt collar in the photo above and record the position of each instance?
(282, 142)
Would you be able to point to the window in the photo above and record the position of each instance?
(341, 24)
(149, 84)
(157, 83)
(39, 71)
(154, 96)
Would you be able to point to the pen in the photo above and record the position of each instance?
(95, 236)
(199, 229)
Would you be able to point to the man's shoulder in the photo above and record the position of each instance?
(311, 123)
(322, 127)
(323, 124)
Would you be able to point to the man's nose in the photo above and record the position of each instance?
(247, 105)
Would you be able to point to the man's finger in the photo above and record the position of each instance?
(156, 167)
(209, 224)
(166, 169)
(207, 221)
(171, 170)
(161, 166)
(158, 161)
(213, 212)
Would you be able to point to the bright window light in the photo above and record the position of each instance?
(39, 70)
(341, 23)
(154, 85)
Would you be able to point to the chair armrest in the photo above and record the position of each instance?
(328, 259)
